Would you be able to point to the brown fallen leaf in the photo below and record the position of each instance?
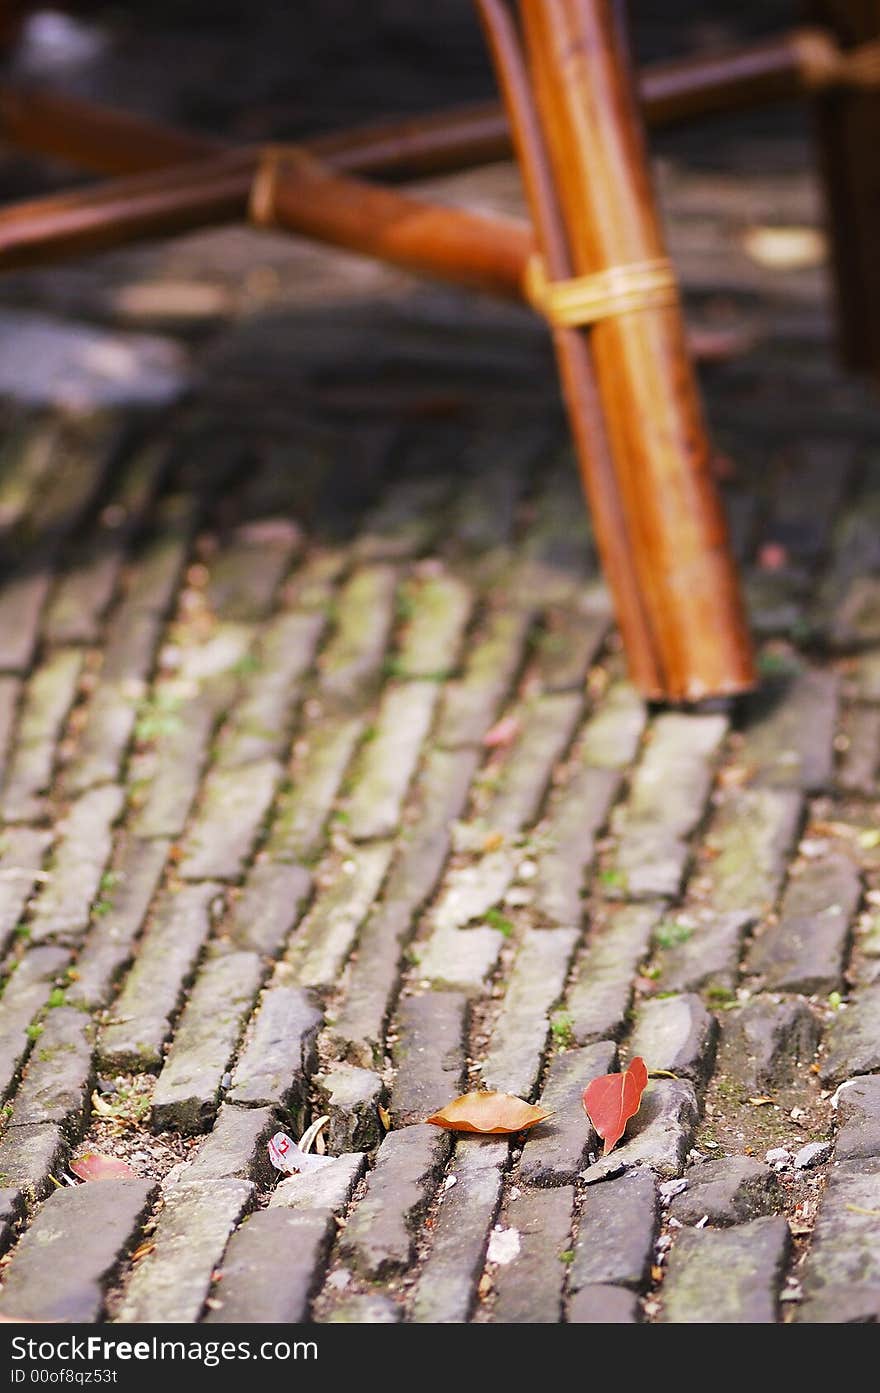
(761, 1102)
(384, 1117)
(92, 1165)
(488, 1113)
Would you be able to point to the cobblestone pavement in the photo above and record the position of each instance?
(324, 792)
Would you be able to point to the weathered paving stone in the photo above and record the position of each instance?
(357, 1032)
(555, 557)
(66, 1260)
(235, 1148)
(618, 1225)
(868, 675)
(547, 729)
(168, 781)
(600, 994)
(669, 791)
(460, 960)
(129, 649)
(249, 568)
(612, 735)
(858, 1112)
(22, 598)
(170, 1284)
(660, 1134)
(388, 762)
(365, 1309)
(351, 1098)
(188, 1087)
(446, 1287)
(731, 1190)
(297, 832)
(56, 1084)
(726, 1276)
(710, 956)
(10, 694)
(258, 725)
(519, 1036)
(50, 694)
(279, 1053)
(80, 858)
(21, 856)
(429, 1055)
(841, 1273)
(469, 704)
(255, 1287)
(11, 1213)
(402, 523)
(329, 1188)
(676, 1033)
(270, 906)
(139, 1022)
(576, 816)
(751, 838)
(571, 639)
(852, 1041)
(320, 947)
(351, 664)
(804, 951)
(29, 1157)
(26, 992)
(91, 573)
(234, 805)
(857, 771)
(471, 890)
(555, 1151)
(119, 916)
(161, 559)
(379, 1238)
(439, 609)
(529, 1289)
(603, 1306)
(789, 739)
(764, 1043)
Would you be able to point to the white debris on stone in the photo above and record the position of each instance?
(504, 1245)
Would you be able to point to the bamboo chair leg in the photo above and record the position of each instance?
(586, 102)
(847, 121)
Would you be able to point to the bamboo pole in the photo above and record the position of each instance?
(847, 126)
(574, 358)
(475, 250)
(590, 120)
(114, 142)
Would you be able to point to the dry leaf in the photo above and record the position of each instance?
(385, 1118)
(93, 1166)
(761, 1102)
(610, 1101)
(503, 733)
(488, 1113)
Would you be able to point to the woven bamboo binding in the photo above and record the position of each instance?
(581, 300)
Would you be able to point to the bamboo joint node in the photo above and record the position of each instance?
(271, 159)
(580, 300)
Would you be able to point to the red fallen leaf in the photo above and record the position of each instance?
(488, 1112)
(93, 1166)
(503, 733)
(610, 1101)
(772, 556)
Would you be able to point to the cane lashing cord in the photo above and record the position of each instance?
(582, 300)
